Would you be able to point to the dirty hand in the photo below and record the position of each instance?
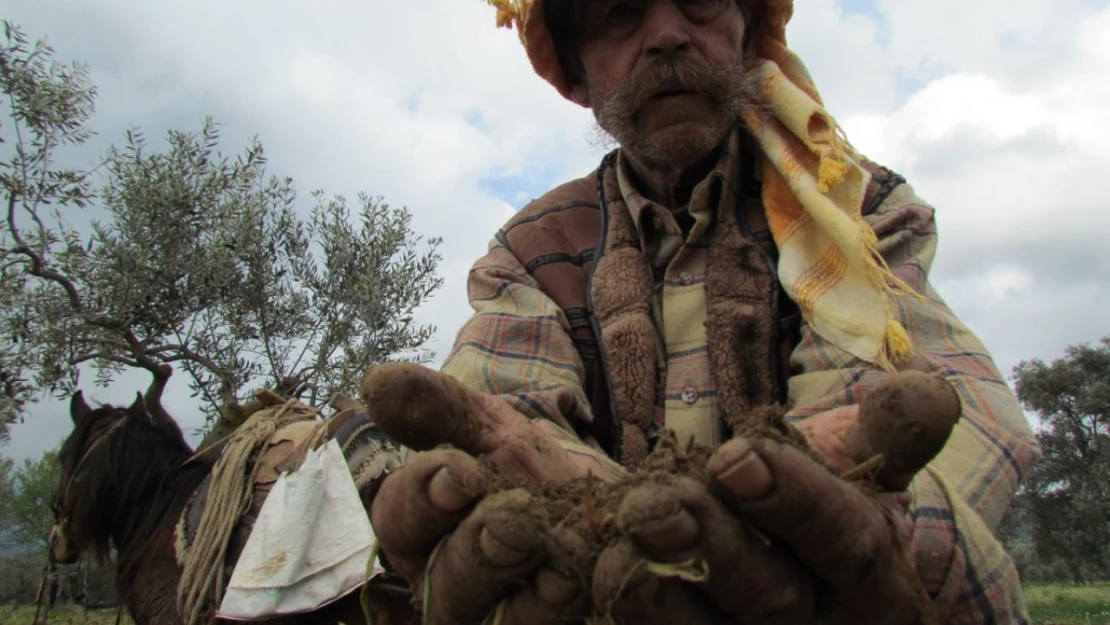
(468, 553)
(782, 540)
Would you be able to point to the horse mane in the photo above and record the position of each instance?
(129, 483)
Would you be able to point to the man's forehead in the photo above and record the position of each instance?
(570, 10)
(596, 6)
(597, 3)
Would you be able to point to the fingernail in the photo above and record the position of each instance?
(742, 472)
(498, 552)
(447, 494)
(675, 532)
(554, 588)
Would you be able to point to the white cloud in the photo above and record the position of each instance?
(993, 109)
(1023, 40)
(1009, 146)
(842, 52)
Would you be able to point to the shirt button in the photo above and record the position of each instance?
(689, 395)
(685, 278)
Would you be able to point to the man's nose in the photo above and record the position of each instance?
(666, 29)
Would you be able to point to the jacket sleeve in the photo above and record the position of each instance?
(962, 495)
(518, 345)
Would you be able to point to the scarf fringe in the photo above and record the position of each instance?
(897, 345)
(830, 174)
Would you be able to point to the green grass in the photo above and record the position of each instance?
(62, 615)
(1049, 604)
(1066, 604)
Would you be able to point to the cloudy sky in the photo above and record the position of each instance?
(994, 109)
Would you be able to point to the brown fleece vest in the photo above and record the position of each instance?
(579, 242)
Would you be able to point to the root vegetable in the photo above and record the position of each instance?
(907, 419)
(422, 408)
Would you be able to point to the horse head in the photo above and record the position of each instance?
(109, 455)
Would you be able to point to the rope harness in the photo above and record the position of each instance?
(204, 576)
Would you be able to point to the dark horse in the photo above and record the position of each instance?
(126, 476)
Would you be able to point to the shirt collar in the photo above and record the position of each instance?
(707, 200)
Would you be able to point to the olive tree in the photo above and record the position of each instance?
(1067, 493)
(175, 258)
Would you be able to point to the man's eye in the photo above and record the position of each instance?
(620, 10)
(614, 20)
(703, 10)
(621, 14)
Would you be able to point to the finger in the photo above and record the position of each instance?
(906, 417)
(827, 434)
(491, 554)
(626, 591)
(839, 533)
(543, 452)
(835, 434)
(677, 520)
(898, 503)
(423, 501)
(559, 591)
(423, 408)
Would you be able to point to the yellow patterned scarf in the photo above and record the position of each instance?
(813, 187)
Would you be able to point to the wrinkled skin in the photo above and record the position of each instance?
(666, 79)
(801, 546)
(832, 555)
(832, 559)
(492, 542)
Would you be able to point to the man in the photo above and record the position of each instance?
(733, 253)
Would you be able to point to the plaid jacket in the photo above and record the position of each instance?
(533, 340)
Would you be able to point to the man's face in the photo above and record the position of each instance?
(664, 78)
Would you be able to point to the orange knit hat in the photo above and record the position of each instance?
(527, 17)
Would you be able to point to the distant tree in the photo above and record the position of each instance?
(7, 493)
(20, 574)
(1015, 531)
(199, 263)
(30, 516)
(1068, 491)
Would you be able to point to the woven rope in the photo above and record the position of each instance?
(202, 582)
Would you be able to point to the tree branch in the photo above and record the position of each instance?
(184, 353)
(44, 166)
(189, 368)
(263, 318)
(38, 269)
(308, 341)
(38, 266)
(142, 357)
(73, 362)
(227, 391)
(109, 342)
(10, 259)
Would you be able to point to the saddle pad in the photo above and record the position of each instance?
(310, 545)
(368, 455)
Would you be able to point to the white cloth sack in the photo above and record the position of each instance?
(309, 547)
